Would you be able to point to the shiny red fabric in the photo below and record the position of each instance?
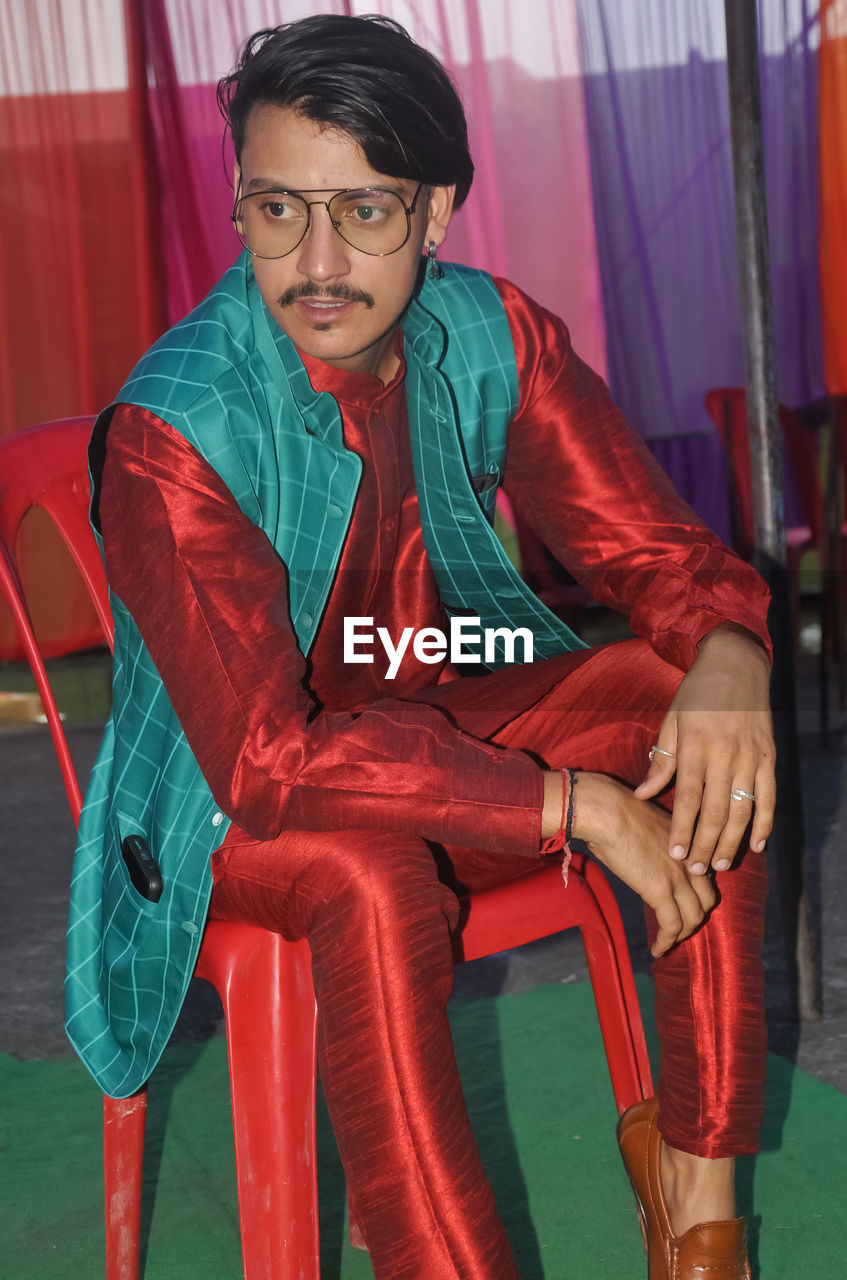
(384, 572)
(377, 916)
(274, 735)
(343, 785)
(210, 596)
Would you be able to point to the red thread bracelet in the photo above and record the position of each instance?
(561, 839)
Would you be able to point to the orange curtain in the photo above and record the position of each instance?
(833, 191)
(80, 289)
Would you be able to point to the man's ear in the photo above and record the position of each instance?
(440, 212)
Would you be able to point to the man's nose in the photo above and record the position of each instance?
(323, 254)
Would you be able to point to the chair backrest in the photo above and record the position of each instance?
(46, 467)
(727, 406)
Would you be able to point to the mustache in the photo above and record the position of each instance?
(334, 292)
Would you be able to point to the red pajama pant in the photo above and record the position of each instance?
(378, 920)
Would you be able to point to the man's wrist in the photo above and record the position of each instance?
(554, 797)
(731, 633)
(598, 797)
(592, 810)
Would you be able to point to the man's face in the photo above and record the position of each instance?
(366, 294)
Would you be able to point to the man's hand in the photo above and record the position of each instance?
(719, 737)
(631, 839)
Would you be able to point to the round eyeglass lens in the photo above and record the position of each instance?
(272, 223)
(370, 220)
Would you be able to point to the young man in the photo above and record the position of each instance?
(313, 454)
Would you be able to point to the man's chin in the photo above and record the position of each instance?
(328, 341)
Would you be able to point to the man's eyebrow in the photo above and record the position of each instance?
(266, 184)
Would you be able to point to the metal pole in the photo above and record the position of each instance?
(765, 460)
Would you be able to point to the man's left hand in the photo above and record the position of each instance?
(718, 739)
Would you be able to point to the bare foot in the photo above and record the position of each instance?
(697, 1190)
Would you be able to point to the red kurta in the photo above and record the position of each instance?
(258, 716)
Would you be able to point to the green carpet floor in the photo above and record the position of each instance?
(541, 1105)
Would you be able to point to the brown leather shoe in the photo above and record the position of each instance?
(708, 1251)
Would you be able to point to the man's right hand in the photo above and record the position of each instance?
(630, 837)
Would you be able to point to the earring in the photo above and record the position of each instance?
(436, 271)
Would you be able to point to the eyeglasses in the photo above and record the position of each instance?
(271, 224)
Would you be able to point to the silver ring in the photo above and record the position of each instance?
(738, 793)
(660, 751)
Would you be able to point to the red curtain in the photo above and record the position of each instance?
(81, 288)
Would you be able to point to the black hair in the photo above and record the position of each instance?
(367, 77)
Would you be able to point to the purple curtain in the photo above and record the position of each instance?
(658, 126)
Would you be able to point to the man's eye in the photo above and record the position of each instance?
(278, 211)
(370, 213)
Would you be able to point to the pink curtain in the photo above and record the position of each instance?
(529, 215)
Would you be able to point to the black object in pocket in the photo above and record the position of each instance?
(143, 868)
(482, 484)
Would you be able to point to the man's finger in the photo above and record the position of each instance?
(670, 925)
(704, 887)
(731, 838)
(659, 775)
(661, 761)
(765, 806)
(725, 812)
(682, 910)
(691, 909)
(688, 800)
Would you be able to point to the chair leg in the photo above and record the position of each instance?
(613, 1015)
(272, 1077)
(123, 1155)
(613, 926)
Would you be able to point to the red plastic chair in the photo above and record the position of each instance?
(46, 467)
(265, 983)
(727, 406)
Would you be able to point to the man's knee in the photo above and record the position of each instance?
(387, 872)
(366, 879)
(378, 903)
(293, 884)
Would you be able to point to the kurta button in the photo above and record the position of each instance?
(217, 819)
(334, 511)
(306, 619)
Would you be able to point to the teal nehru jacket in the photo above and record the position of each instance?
(230, 381)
